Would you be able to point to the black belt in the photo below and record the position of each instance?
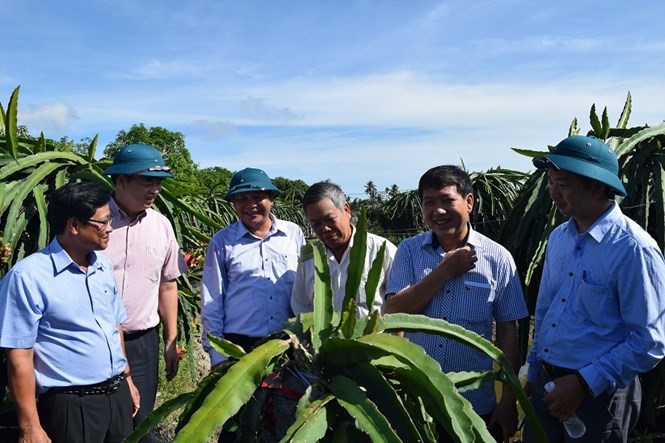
(107, 387)
(244, 341)
(137, 334)
(556, 371)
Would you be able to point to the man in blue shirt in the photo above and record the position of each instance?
(457, 274)
(599, 314)
(60, 316)
(250, 267)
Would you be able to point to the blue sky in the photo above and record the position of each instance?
(347, 90)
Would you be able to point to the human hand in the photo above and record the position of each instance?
(136, 396)
(171, 360)
(33, 434)
(505, 415)
(565, 398)
(459, 261)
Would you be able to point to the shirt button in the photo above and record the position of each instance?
(578, 247)
(546, 350)
(554, 325)
(563, 300)
(570, 274)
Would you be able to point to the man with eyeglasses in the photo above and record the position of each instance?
(60, 316)
(147, 261)
(250, 267)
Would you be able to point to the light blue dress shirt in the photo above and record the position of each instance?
(601, 303)
(247, 281)
(68, 316)
(475, 300)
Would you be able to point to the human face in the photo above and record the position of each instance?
(253, 210)
(446, 212)
(331, 224)
(94, 232)
(136, 193)
(570, 193)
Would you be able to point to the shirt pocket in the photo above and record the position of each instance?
(595, 302)
(477, 301)
(154, 259)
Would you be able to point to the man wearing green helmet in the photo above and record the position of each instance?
(599, 315)
(250, 267)
(146, 260)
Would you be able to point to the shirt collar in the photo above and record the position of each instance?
(62, 260)
(472, 239)
(119, 214)
(275, 227)
(600, 227)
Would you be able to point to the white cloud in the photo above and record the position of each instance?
(158, 69)
(214, 129)
(51, 116)
(259, 109)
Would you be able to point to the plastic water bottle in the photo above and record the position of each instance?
(574, 426)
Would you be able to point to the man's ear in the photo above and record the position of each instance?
(599, 189)
(469, 199)
(73, 226)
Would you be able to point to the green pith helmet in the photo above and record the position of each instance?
(250, 180)
(585, 156)
(139, 159)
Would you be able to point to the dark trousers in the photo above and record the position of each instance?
(244, 341)
(142, 349)
(247, 343)
(608, 417)
(73, 418)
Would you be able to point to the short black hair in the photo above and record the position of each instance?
(446, 175)
(75, 200)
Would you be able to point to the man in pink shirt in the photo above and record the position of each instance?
(146, 261)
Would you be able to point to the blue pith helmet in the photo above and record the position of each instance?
(585, 156)
(139, 159)
(250, 180)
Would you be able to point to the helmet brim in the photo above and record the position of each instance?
(583, 168)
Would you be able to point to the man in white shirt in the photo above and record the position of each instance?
(329, 215)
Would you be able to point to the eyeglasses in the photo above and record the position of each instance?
(103, 224)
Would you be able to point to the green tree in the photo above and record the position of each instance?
(170, 144)
(392, 191)
(292, 190)
(373, 192)
(214, 180)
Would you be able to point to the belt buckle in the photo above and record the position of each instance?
(113, 386)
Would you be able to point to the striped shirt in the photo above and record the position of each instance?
(475, 300)
(247, 281)
(144, 253)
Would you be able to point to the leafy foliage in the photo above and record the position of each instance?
(346, 372)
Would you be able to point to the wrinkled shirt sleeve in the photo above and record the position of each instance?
(212, 298)
(643, 310)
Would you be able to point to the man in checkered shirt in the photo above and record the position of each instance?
(457, 274)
